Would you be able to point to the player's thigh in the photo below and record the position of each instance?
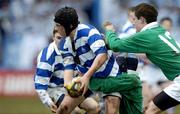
(112, 103)
(89, 104)
(71, 103)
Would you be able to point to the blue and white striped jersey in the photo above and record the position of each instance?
(49, 72)
(88, 43)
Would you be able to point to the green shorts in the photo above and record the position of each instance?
(128, 85)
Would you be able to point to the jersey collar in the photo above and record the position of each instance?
(56, 49)
(150, 26)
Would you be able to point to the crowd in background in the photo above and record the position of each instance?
(26, 25)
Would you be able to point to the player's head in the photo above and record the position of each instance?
(144, 14)
(167, 23)
(131, 10)
(56, 34)
(68, 18)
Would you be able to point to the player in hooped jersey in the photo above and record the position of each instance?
(49, 82)
(84, 45)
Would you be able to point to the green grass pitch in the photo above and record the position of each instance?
(29, 105)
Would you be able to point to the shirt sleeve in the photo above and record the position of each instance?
(65, 48)
(96, 42)
(42, 78)
(43, 72)
(136, 43)
(45, 98)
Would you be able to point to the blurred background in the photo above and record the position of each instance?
(26, 28)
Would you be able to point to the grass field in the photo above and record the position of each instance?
(30, 105)
(22, 105)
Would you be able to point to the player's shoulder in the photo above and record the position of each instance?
(47, 53)
(86, 29)
(85, 26)
(64, 44)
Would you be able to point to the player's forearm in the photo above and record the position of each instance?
(68, 75)
(112, 39)
(44, 97)
(98, 62)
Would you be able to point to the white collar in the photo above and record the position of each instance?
(56, 48)
(150, 26)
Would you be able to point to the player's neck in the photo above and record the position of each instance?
(72, 34)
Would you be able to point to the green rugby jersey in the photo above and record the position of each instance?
(156, 43)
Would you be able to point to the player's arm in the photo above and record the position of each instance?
(68, 60)
(97, 63)
(46, 100)
(97, 45)
(134, 44)
(68, 71)
(41, 80)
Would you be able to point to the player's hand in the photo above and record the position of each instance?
(53, 108)
(67, 84)
(84, 80)
(109, 26)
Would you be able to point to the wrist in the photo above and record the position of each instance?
(89, 73)
(45, 99)
(48, 103)
(109, 32)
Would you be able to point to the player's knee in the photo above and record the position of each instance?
(111, 110)
(63, 109)
(152, 109)
(94, 108)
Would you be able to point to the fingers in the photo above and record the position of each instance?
(82, 87)
(78, 80)
(85, 90)
(53, 108)
(53, 111)
(65, 85)
(107, 23)
(109, 26)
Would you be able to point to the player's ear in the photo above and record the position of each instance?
(143, 20)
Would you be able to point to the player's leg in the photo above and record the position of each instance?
(112, 104)
(163, 84)
(160, 103)
(68, 104)
(124, 82)
(90, 106)
(168, 98)
(77, 110)
(147, 94)
(128, 85)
